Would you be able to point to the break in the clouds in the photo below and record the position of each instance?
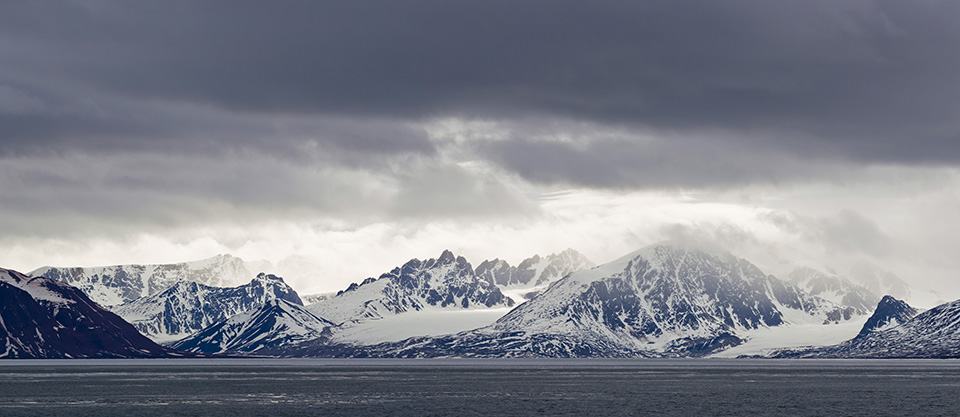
(188, 121)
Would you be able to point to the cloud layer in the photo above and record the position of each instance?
(120, 120)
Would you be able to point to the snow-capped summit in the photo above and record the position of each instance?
(667, 299)
(535, 270)
(188, 307)
(446, 282)
(117, 284)
(533, 274)
(667, 296)
(878, 280)
(267, 330)
(890, 312)
(42, 318)
(832, 287)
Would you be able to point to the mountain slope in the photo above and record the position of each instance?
(263, 331)
(534, 271)
(188, 307)
(890, 312)
(117, 284)
(667, 299)
(879, 281)
(934, 333)
(447, 282)
(42, 318)
(833, 288)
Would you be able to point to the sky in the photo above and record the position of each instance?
(348, 137)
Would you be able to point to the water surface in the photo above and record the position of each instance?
(479, 387)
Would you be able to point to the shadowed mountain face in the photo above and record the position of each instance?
(664, 300)
(445, 282)
(42, 318)
(188, 307)
(118, 284)
(268, 330)
(890, 313)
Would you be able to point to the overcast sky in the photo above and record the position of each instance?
(358, 134)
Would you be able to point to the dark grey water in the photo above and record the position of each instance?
(479, 387)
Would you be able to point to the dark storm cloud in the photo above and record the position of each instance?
(864, 81)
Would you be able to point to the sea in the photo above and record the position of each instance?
(479, 387)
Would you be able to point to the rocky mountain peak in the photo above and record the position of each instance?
(890, 312)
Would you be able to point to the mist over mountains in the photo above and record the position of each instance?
(671, 299)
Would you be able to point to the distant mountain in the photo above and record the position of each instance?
(890, 312)
(316, 298)
(667, 299)
(534, 271)
(113, 285)
(879, 281)
(188, 307)
(833, 288)
(268, 330)
(447, 282)
(934, 333)
(42, 318)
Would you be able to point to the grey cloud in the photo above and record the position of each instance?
(708, 93)
(850, 231)
(638, 159)
(847, 232)
(871, 80)
(79, 196)
(452, 191)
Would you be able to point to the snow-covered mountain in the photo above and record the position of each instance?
(533, 272)
(188, 307)
(878, 280)
(934, 333)
(42, 318)
(316, 298)
(890, 313)
(267, 330)
(834, 288)
(668, 299)
(447, 282)
(117, 284)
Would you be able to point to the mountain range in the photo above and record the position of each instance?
(187, 307)
(118, 284)
(671, 299)
(663, 300)
(43, 318)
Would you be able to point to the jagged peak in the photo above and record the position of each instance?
(267, 277)
(889, 312)
(447, 257)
